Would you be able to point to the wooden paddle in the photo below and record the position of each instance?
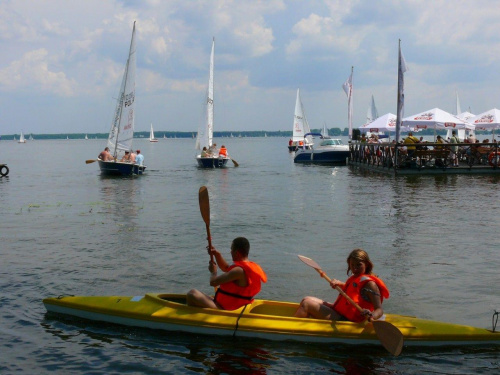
(205, 214)
(390, 336)
(235, 162)
(90, 161)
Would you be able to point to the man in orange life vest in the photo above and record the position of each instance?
(239, 283)
(366, 289)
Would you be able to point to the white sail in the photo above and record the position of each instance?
(300, 125)
(324, 131)
(458, 110)
(205, 131)
(122, 128)
(21, 138)
(152, 135)
(372, 113)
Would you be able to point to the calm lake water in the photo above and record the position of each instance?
(65, 229)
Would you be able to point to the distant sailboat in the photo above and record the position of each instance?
(300, 127)
(372, 113)
(31, 137)
(152, 135)
(205, 131)
(324, 132)
(21, 138)
(86, 137)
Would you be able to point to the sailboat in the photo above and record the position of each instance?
(324, 132)
(86, 137)
(205, 131)
(300, 127)
(152, 135)
(122, 128)
(21, 138)
(372, 113)
(31, 137)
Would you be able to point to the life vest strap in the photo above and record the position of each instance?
(234, 295)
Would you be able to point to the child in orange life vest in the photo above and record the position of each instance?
(366, 289)
(239, 283)
(223, 151)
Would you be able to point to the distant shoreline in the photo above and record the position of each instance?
(334, 132)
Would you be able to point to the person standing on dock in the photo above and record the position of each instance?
(454, 149)
(411, 139)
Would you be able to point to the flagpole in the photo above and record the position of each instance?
(400, 102)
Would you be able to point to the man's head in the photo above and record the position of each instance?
(241, 245)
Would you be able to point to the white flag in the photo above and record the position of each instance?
(347, 86)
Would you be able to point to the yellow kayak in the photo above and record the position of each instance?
(262, 319)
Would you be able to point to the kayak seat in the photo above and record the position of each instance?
(275, 309)
(176, 299)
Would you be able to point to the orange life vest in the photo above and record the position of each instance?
(231, 296)
(353, 287)
(223, 151)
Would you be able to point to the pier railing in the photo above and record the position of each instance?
(425, 155)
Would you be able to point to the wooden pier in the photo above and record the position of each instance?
(425, 158)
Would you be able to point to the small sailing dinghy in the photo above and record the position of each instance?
(210, 159)
(300, 127)
(152, 135)
(21, 138)
(122, 129)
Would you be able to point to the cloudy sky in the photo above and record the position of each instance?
(62, 60)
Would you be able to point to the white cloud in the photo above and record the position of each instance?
(32, 73)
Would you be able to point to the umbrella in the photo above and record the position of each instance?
(435, 119)
(385, 123)
(488, 120)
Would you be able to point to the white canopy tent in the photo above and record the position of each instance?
(489, 120)
(436, 119)
(385, 123)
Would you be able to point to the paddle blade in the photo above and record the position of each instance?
(390, 336)
(309, 262)
(235, 163)
(90, 161)
(204, 204)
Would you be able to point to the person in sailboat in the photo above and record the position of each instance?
(204, 153)
(223, 152)
(238, 285)
(127, 158)
(105, 155)
(139, 159)
(213, 149)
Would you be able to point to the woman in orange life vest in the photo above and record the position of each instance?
(223, 151)
(239, 283)
(366, 289)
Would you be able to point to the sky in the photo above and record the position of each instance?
(63, 60)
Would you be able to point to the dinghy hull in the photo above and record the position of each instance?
(120, 169)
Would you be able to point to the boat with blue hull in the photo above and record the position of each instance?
(122, 128)
(120, 168)
(212, 161)
(208, 156)
(330, 151)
